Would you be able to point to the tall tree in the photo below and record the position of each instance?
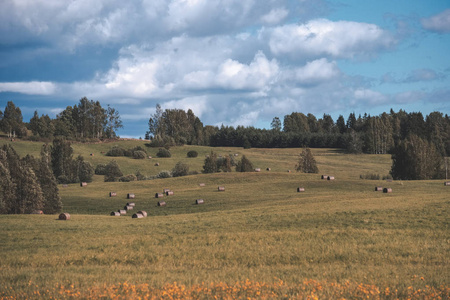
(7, 186)
(62, 162)
(244, 165)
(307, 162)
(113, 122)
(210, 165)
(276, 124)
(12, 121)
(49, 185)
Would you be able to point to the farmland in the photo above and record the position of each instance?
(337, 239)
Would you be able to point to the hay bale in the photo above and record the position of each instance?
(330, 178)
(131, 196)
(142, 212)
(202, 184)
(157, 165)
(236, 154)
(447, 183)
(115, 214)
(127, 207)
(221, 188)
(92, 154)
(324, 177)
(137, 216)
(257, 170)
(387, 190)
(37, 212)
(83, 184)
(131, 204)
(161, 203)
(159, 195)
(65, 185)
(149, 157)
(112, 194)
(289, 171)
(378, 188)
(64, 216)
(166, 190)
(122, 211)
(300, 189)
(268, 169)
(199, 201)
(169, 193)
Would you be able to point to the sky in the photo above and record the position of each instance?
(233, 62)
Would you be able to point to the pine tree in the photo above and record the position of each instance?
(85, 170)
(29, 192)
(245, 165)
(62, 163)
(49, 185)
(307, 163)
(7, 186)
(210, 165)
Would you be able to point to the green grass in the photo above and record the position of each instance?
(260, 228)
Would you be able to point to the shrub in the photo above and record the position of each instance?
(100, 169)
(164, 174)
(112, 172)
(192, 153)
(85, 171)
(128, 178)
(140, 176)
(180, 169)
(116, 151)
(139, 154)
(162, 152)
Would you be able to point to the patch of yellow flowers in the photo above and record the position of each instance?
(308, 289)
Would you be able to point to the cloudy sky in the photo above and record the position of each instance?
(233, 62)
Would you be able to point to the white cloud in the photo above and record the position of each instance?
(438, 23)
(317, 71)
(321, 37)
(30, 88)
(275, 16)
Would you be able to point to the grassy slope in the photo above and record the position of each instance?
(259, 228)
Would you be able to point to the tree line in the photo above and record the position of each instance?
(86, 120)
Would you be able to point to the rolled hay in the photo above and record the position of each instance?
(387, 190)
(149, 157)
(202, 184)
(268, 169)
(221, 188)
(122, 211)
(161, 203)
(115, 214)
(236, 154)
(83, 184)
(112, 194)
(65, 185)
(131, 196)
(37, 212)
(324, 177)
(300, 189)
(199, 201)
(378, 188)
(137, 216)
(169, 193)
(166, 190)
(128, 207)
(131, 204)
(257, 170)
(142, 212)
(447, 183)
(64, 216)
(157, 165)
(330, 177)
(159, 195)
(289, 171)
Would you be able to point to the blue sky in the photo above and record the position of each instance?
(232, 62)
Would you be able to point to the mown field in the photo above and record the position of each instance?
(258, 239)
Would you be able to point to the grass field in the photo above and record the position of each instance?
(258, 239)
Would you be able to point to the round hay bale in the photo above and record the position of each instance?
(149, 157)
(131, 204)
(127, 207)
(447, 183)
(92, 154)
(169, 193)
(37, 212)
(157, 165)
(112, 194)
(378, 188)
(236, 154)
(142, 212)
(199, 201)
(83, 184)
(115, 214)
(268, 169)
(137, 216)
(257, 170)
(65, 185)
(131, 196)
(387, 190)
(202, 184)
(330, 177)
(64, 216)
(300, 189)
(289, 171)
(324, 177)
(221, 188)
(161, 203)
(159, 195)
(122, 211)
(166, 190)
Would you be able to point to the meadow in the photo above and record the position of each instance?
(259, 238)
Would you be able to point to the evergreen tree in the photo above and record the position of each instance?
(62, 162)
(210, 165)
(29, 192)
(245, 165)
(85, 170)
(7, 186)
(276, 124)
(307, 163)
(49, 185)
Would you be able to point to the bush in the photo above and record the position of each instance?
(100, 169)
(112, 172)
(192, 153)
(164, 174)
(139, 154)
(180, 169)
(128, 178)
(85, 171)
(116, 151)
(140, 176)
(162, 152)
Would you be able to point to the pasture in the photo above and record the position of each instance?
(259, 231)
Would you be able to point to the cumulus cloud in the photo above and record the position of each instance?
(317, 71)
(275, 16)
(321, 37)
(439, 23)
(30, 88)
